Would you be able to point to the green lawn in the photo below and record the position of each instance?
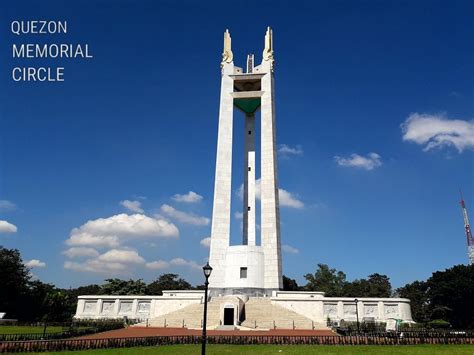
(20, 329)
(287, 349)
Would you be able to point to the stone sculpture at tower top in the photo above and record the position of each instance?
(251, 268)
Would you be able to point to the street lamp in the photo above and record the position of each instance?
(207, 272)
(357, 316)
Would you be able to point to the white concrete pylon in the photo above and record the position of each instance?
(249, 268)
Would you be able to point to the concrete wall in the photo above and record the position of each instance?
(135, 307)
(319, 308)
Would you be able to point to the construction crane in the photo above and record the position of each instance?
(467, 228)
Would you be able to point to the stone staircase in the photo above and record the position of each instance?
(187, 317)
(260, 313)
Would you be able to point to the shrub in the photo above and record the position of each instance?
(439, 324)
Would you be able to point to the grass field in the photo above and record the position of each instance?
(20, 329)
(286, 349)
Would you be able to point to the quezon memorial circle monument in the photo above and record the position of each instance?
(246, 282)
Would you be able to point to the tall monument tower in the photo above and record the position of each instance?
(248, 268)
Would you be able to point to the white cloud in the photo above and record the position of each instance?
(436, 131)
(289, 249)
(370, 162)
(121, 256)
(190, 197)
(238, 215)
(35, 263)
(6, 205)
(133, 206)
(206, 242)
(77, 252)
(115, 261)
(289, 200)
(184, 262)
(286, 198)
(94, 265)
(157, 265)
(184, 217)
(286, 151)
(112, 231)
(6, 227)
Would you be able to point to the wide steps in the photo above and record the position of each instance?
(260, 313)
(188, 317)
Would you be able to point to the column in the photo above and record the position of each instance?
(220, 229)
(270, 220)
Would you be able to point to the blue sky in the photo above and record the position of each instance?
(374, 123)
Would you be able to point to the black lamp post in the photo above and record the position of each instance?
(357, 316)
(207, 272)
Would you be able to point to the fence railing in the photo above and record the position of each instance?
(85, 344)
(427, 333)
(72, 330)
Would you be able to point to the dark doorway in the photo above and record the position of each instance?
(228, 316)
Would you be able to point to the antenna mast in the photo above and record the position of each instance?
(467, 228)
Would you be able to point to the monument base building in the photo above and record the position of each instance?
(246, 281)
(282, 310)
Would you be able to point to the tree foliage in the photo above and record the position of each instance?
(123, 287)
(167, 282)
(329, 281)
(15, 277)
(290, 284)
(451, 295)
(416, 293)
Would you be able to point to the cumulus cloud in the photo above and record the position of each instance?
(436, 131)
(184, 262)
(190, 197)
(289, 249)
(370, 162)
(133, 206)
(238, 215)
(35, 263)
(96, 266)
(112, 231)
(157, 265)
(78, 252)
(6, 205)
(112, 261)
(121, 256)
(184, 217)
(206, 242)
(287, 199)
(6, 227)
(286, 151)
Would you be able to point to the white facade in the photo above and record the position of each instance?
(250, 268)
(319, 308)
(135, 307)
(313, 306)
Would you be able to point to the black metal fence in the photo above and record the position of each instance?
(70, 330)
(88, 344)
(417, 333)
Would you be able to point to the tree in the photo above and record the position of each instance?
(326, 280)
(416, 293)
(14, 276)
(56, 305)
(289, 284)
(38, 291)
(167, 282)
(379, 286)
(451, 294)
(123, 287)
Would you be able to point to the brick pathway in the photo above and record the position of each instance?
(148, 332)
